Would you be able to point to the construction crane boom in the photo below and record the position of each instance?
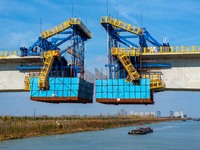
(123, 25)
(65, 25)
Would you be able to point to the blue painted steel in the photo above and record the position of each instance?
(155, 65)
(123, 40)
(119, 88)
(24, 51)
(20, 68)
(62, 40)
(39, 46)
(150, 39)
(130, 36)
(34, 44)
(117, 38)
(63, 87)
(78, 47)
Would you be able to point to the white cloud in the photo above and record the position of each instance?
(125, 11)
(14, 40)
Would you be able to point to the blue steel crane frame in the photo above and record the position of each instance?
(72, 33)
(115, 39)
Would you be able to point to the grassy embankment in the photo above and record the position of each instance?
(22, 127)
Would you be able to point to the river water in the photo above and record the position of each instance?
(174, 135)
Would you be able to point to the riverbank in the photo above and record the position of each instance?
(23, 127)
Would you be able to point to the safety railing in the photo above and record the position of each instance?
(57, 29)
(27, 83)
(171, 49)
(5, 54)
(77, 21)
(27, 79)
(156, 83)
(129, 51)
(65, 25)
(122, 25)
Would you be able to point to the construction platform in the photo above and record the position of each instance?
(63, 90)
(118, 91)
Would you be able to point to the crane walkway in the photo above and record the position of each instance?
(75, 22)
(132, 72)
(172, 50)
(43, 77)
(129, 51)
(156, 83)
(122, 25)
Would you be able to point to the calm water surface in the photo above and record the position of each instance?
(176, 135)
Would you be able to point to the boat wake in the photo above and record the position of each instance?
(164, 128)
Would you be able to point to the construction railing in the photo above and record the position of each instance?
(77, 21)
(156, 83)
(57, 29)
(123, 25)
(171, 49)
(27, 83)
(129, 51)
(157, 50)
(65, 25)
(4, 54)
(27, 79)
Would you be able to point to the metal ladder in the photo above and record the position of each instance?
(44, 73)
(132, 72)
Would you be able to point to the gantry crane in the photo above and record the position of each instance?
(125, 59)
(55, 66)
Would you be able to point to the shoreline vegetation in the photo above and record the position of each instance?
(12, 127)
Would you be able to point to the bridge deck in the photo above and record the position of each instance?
(184, 73)
(17, 59)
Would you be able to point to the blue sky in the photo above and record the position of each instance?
(176, 19)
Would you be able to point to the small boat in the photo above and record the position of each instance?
(196, 119)
(141, 130)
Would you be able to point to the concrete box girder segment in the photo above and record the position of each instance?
(184, 74)
(11, 79)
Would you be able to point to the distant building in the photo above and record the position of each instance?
(144, 113)
(171, 114)
(152, 113)
(177, 114)
(181, 114)
(141, 113)
(158, 114)
(131, 112)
